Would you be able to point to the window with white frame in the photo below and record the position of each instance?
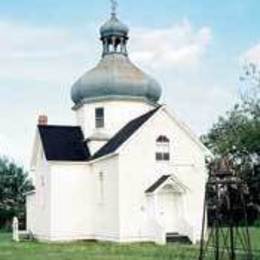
(162, 148)
(100, 117)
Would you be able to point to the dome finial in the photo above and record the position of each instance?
(114, 5)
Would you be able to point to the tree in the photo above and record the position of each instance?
(237, 134)
(14, 183)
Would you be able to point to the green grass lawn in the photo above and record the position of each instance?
(99, 251)
(255, 239)
(90, 251)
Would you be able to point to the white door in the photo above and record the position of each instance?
(169, 210)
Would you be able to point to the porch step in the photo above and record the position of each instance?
(177, 238)
(25, 235)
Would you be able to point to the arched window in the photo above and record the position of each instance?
(163, 139)
(162, 148)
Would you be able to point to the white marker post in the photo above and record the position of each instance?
(15, 227)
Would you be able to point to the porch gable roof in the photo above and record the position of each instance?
(157, 184)
(163, 180)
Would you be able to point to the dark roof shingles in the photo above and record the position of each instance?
(157, 184)
(124, 134)
(63, 143)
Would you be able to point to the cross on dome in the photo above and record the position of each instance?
(114, 5)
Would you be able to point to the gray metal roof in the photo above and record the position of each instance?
(115, 76)
(113, 27)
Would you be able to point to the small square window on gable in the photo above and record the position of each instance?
(100, 117)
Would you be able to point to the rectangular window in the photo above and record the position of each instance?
(159, 156)
(162, 157)
(166, 157)
(99, 114)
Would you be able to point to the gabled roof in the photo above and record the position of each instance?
(157, 184)
(63, 143)
(124, 134)
(178, 186)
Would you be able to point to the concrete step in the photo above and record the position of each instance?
(177, 238)
(25, 235)
(172, 234)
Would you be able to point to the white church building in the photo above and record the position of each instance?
(129, 171)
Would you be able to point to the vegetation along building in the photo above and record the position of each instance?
(130, 171)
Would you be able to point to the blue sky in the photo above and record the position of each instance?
(46, 45)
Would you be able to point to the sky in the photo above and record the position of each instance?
(195, 49)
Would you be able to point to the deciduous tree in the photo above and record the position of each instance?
(14, 183)
(237, 134)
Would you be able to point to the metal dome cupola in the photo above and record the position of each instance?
(113, 27)
(114, 34)
(115, 77)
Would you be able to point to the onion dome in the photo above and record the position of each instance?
(115, 76)
(113, 27)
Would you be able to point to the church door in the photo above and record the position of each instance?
(169, 209)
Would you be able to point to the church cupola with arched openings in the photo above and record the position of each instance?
(114, 35)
